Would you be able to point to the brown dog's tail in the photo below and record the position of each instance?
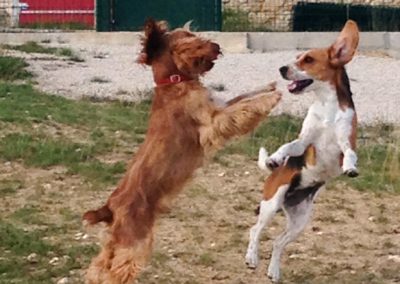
(103, 214)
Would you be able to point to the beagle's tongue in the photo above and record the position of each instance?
(292, 86)
(299, 85)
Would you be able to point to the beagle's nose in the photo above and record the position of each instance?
(283, 70)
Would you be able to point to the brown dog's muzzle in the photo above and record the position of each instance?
(207, 61)
(216, 50)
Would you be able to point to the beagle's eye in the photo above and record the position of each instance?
(308, 59)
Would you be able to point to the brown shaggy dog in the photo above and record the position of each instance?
(185, 127)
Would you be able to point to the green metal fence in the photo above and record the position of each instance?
(330, 17)
(129, 15)
(309, 15)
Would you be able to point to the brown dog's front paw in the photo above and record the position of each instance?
(275, 97)
(271, 86)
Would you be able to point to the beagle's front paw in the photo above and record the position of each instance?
(274, 161)
(349, 163)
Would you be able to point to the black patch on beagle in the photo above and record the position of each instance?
(296, 194)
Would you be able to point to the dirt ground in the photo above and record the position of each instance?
(354, 236)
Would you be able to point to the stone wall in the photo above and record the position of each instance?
(276, 14)
(5, 12)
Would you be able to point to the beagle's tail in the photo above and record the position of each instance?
(262, 159)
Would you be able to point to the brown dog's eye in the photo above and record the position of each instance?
(308, 59)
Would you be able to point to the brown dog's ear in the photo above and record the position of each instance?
(186, 26)
(153, 42)
(342, 51)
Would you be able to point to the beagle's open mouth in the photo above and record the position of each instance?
(295, 87)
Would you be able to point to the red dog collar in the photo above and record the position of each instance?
(173, 79)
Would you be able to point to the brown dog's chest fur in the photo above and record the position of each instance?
(166, 160)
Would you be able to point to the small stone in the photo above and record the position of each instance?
(220, 276)
(78, 236)
(64, 280)
(85, 236)
(212, 245)
(155, 276)
(246, 173)
(32, 258)
(54, 261)
(319, 233)
(372, 219)
(47, 186)
(292, 256)
(221, 174)
(395, 258)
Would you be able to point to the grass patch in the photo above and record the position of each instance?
(57, 26)
(217, 87)
(16, 244)
(12, 69)
(100, 80)
(271, 134)
(42, 151)
(99, 172)
(23, 105)
(8, 187)
(28, 215)
(379, 159)
(236, 20)
(206, 259)
(34, 47)
(19, 242)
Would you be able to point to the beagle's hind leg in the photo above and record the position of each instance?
(298, 208)
(268, 208)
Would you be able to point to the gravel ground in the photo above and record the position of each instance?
(111, 72)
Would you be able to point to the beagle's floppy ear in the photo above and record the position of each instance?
(153, 41)
(342, 51)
